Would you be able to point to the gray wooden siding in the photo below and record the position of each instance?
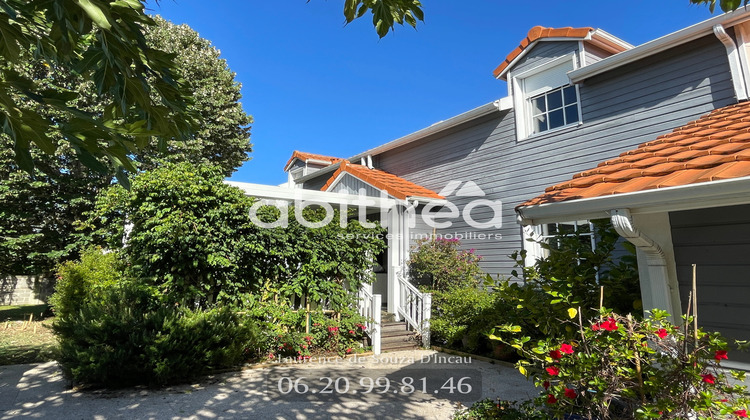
(544, 52)
(594, 54)
(318, 182)
(351, 185)
(621, 109)
(718, 241)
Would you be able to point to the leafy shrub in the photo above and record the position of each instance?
(571, 277)
(284, 330)
(81, 281)
(127, 337)
(500, 409)
(463, 317)
(625, 368)
(444, 263)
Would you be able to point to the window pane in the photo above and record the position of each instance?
(556, 119)
(554, 99)
(550, 229)
(540, 123)
(566, 227)
(570, 95)
(571, 114)
(538, 105)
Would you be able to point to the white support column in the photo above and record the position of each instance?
(656, 268)
(426, 314)
(394, 256)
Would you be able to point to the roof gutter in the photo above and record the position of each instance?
(722, 193)
(487, 109)
(660, 44)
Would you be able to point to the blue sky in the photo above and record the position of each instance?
(314, 85)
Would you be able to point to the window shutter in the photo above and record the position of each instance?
(532, 235)
(548, 79)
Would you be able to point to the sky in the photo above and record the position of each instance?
(316, 85)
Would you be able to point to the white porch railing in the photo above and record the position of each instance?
(415, 307)
(370, 307)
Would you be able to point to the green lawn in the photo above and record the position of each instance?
(22, 341)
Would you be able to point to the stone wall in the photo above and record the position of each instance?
(25, 290)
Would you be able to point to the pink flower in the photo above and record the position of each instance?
(553, 370)
(708, 378)
(566, 348)
(555, 354)
(741, 413)
(570, 393)
(551, 399)
(721, 355)
(662, 333)
(349, 350)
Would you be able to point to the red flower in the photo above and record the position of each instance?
(741, 413)
(721, 354)
(595, 327)
(662, 333)
(566, 348)
(333, 329)
(570, 393)
(351, 331)
(308, 338)
(723, 400)
(551, 399)
(349, 350)
(555, 354)
(545, 384)
(708, 378)
(609, 325)
(553, 370)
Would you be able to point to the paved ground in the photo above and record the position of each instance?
(401, 385)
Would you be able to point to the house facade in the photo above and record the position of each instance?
(580, 100)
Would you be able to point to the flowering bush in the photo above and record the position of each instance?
(620, 367)
(445, 263)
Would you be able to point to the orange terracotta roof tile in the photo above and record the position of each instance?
(311, 156)
(391, 184)
(714, 147)
(540, 32)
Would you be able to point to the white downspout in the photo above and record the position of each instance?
(735, 66)
(656, 285)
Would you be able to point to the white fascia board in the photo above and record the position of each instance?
(492, 107)
(661, 44)
(729, 192)
(272, 192)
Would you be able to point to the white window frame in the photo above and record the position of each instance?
(532, 235)
(522, 105)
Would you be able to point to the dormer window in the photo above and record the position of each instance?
(553, 109)
(544, 99)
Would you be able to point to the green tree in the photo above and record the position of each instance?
(385, 13)
(190, 234)
(104, 43)
(39, 211)
(725, 5)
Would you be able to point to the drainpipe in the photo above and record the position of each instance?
(735, 65)
(656, 283)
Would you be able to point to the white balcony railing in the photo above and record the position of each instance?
(415, 307)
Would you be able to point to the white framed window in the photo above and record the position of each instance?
(544, 99)
(551, 234)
